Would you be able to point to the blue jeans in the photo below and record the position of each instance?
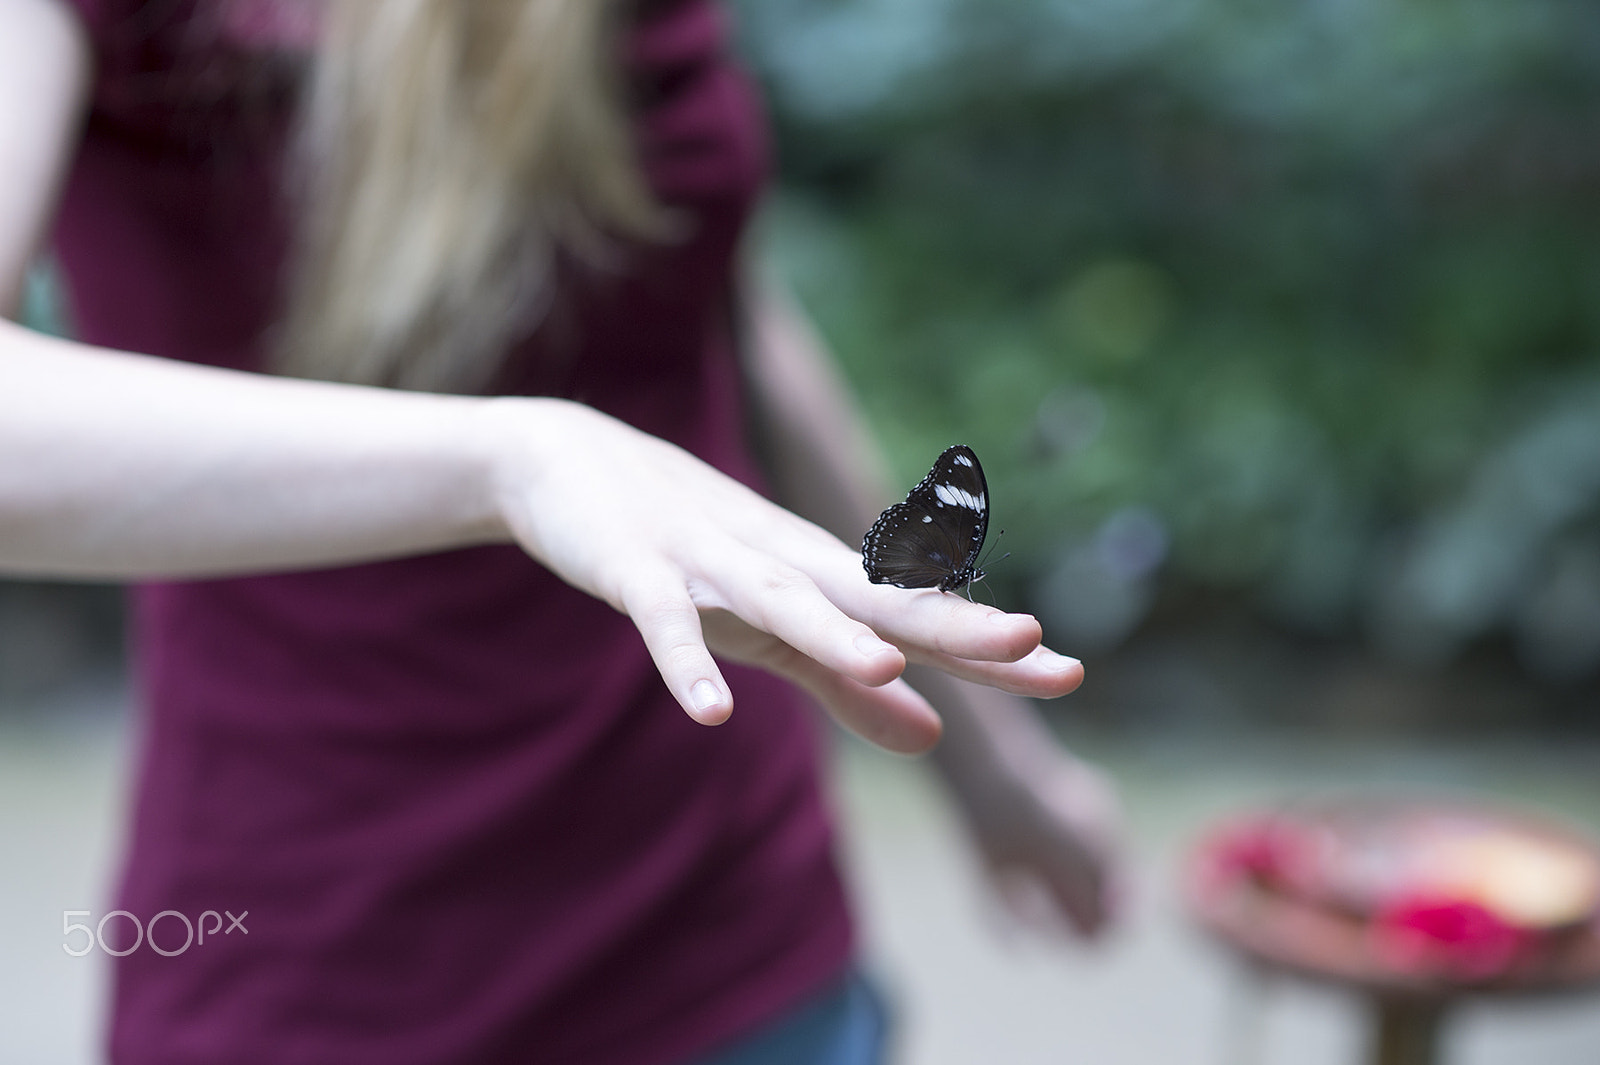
(845, 1024)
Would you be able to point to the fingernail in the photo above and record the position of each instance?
(1002, 618)
(704, 695)
(1059, 663)
(870, 645)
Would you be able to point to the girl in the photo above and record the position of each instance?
(406, 387)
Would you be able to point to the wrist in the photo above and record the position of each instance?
(503, 458)
(525, 470)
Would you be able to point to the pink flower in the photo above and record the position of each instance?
(1453, 938)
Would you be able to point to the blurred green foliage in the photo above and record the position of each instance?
(1282, 277)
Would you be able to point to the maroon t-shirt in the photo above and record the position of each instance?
(466, 820)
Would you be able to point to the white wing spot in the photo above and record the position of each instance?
(962, 460)
(958, 497)
(927, 518)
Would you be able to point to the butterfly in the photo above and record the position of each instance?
(933, 538)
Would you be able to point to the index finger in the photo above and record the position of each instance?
(948, 625)
(924, 623)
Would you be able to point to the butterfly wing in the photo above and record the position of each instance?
(933, 538)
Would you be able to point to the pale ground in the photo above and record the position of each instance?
(968, 988)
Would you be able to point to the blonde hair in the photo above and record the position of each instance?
(448, 149)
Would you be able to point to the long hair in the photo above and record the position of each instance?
(447, 150)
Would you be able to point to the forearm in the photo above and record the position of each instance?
(818, 454)
(988, 734)
(120, 466)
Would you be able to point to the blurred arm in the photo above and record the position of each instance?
(1033, 808)
(43, 82)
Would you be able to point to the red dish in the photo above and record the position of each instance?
(1405, 897)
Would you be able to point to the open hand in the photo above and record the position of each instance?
(702, 564)
(1050, 836)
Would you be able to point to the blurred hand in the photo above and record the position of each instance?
(1047, 823)
(702, 564)
(1050, 832)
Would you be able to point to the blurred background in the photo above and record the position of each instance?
(1283, 312)
(1277, 328)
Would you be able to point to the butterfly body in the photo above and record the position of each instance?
(932, 540)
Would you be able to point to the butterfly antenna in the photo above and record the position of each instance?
(984, 561)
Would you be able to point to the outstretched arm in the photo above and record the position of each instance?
(121, 466)
(115, 465)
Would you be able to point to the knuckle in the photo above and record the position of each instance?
(684, 656)
(785, 581)
(653, 603)
(660, 612)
